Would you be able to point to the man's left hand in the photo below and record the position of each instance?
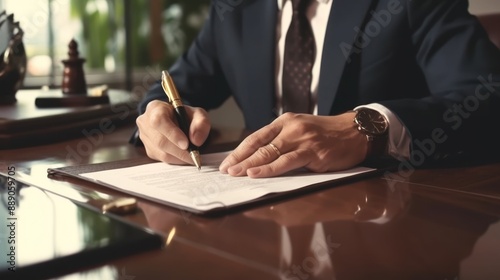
(318, 143)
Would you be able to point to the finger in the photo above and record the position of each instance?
(285, 163)
(200, 125)
(159, 148)
(157, 145)
(161, 118)
(251, 144)
(171, 153)
(262, 156)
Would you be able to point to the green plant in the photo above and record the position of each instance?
(103, 23)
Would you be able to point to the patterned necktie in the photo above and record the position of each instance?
(300, 52)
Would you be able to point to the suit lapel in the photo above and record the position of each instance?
(346, 17)
(259, 35)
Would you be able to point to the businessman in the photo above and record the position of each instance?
(328, 84)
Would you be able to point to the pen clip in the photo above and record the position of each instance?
(168, 86)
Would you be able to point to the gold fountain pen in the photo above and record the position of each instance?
(169, 87)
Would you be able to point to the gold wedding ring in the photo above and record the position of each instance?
(275, 149)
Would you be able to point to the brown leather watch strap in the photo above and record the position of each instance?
(377, 146)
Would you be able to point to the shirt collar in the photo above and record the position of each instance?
(281, 3)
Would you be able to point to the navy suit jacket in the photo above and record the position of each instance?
(430, 62)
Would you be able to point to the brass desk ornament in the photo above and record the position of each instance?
(74, 91)
(73, 76)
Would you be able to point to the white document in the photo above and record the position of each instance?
(206, 189)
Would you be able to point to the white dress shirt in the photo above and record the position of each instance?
(318, 14)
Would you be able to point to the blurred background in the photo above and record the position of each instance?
(113, 35)
(125, 42)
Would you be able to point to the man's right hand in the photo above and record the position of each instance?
(162, 137)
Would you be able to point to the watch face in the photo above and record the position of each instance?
(371, 121)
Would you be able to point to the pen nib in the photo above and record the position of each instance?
(195, 155)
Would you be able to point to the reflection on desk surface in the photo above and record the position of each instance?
(46, 235)
(371, 231)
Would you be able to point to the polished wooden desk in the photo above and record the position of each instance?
(440, 223)
(23, 124)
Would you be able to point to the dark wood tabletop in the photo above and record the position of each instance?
(430, 223)
(25, 124)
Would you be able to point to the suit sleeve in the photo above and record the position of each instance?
(462, 70)
(196, 74)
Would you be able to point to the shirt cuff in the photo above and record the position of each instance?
(399, 139)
